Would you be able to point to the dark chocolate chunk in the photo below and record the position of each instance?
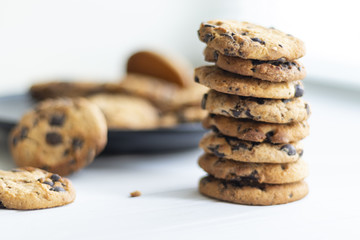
(77, 143)
(307, 107)
(66, 152)
(299, 90)
(57, 189)
(258, 40)
(24, 132)
(215, 151)
(244, 33)
(280, 45)
(55, 177)
(196, 79)
(236, 112)
(53, 138)
(260, 101)
(227, 35)
(253, 69)
(249, 114)
(286, 100)
(48, 183)
(203, 101)
(289, 149)
(15, 140)
(301, 153)
(291, 195)
(216, 55)
(57, 120)
(2, 205)
(208, 37)
(269, 135)
(208, 25)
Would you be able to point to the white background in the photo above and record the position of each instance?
(91, 39)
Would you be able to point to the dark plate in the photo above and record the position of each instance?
(183, 136)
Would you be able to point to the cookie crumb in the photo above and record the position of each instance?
(135, 194)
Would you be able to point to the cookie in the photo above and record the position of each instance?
(257, 131)
(185, 115)
(230, 83)
(32, 188)
(163, 94)
(257, 109)
(273, 173)
(56, 89)
(59, 135)
(126, 112)
(244, 151)
(250, 41)
(167, 67)
(274, 71)
(242, 192)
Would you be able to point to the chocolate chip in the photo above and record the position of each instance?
(253, 69)
(2, 205)
(215, 151)
(57, 120)
(66, 152)
(208, 37)
(247, 113)
(15, 140)
(289, 149)
(57, 189)
(258, 40)
(244, 33)
(196, 79)
(216, 55)
(203, 101)
(291, 195)
(283, 166)
(260, 101)
(227, 35)
(281, 45)
(215, 129)
(77, 143)
(236, 112)
(269, 135)
(301, 153)
(24, 132)
(53, 138)
(48, 183)
(55, 177)
(299, 90)
(208, 25)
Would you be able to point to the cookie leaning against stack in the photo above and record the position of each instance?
(256, 113)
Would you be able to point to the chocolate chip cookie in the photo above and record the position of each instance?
(250, 41)
(254, 131)
(244, 151)
(61, 135)
(273, 173)
(274, 71)
(230, 83)
(126, 112)
(32, 188)
(243, 192)
(257, 109)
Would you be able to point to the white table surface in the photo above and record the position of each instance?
(171, 207)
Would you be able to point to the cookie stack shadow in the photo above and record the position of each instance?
(253, 153)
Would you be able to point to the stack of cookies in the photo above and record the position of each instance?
(256, 113)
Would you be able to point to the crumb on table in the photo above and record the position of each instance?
(135, 194)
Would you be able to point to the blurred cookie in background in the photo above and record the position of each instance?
(126, 112)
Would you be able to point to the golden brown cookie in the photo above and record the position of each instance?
(56, 89)
(59, 135)
(257, 109)
(184, 115)
(250, 41)
(273, 173)
(170, 68)
(244, 151)
(32, 188)
(254, 131)
(230, 83)
(243, 192)
(126, 112)
(273, 71)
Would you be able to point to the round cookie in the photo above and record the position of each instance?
(274, 71)
(257, 109)
(183, 115)
(59, 135)
(272, 173)
(244, 151)
(252, 193)
(56, 89)
(250, 41)
(254, 131)
(230, 83)
(126, 112)
(32, 188)
(170, 68)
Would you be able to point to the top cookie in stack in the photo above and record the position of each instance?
(256, 113)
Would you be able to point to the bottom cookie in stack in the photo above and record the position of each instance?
(253, 183)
